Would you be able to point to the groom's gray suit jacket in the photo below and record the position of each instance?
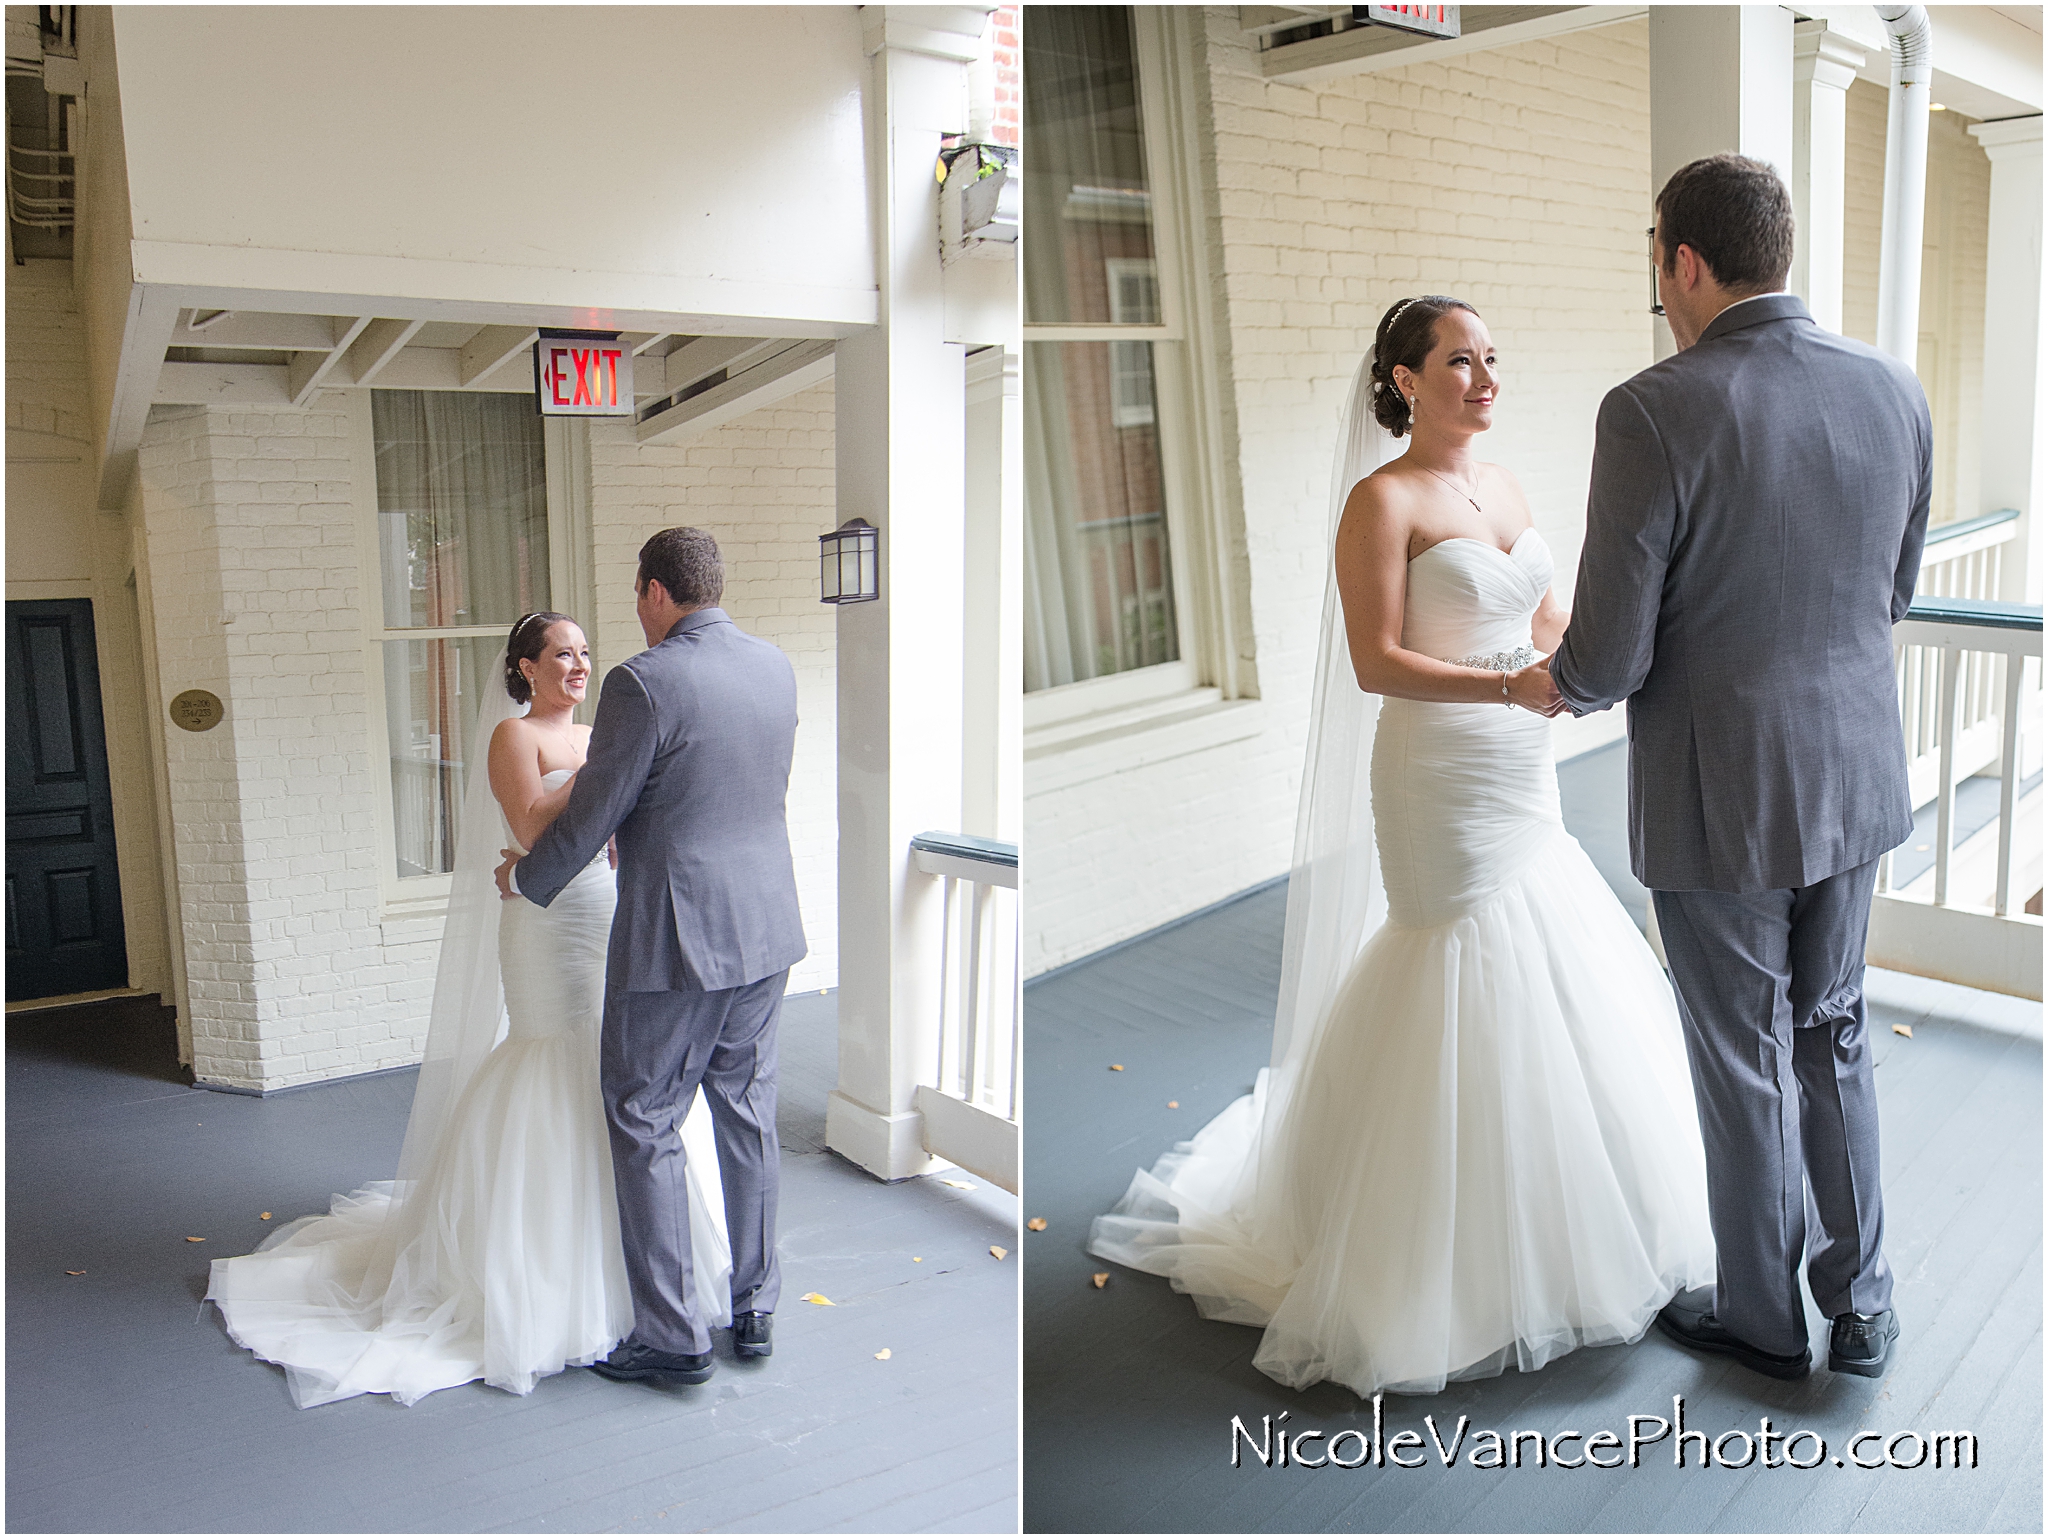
(1753, 532)
(689, 764)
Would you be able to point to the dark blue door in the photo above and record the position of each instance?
(64, 932)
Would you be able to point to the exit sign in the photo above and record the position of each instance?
(1429, 20)
(583, 374)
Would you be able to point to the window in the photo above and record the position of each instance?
(1099, 547)
(462, 552)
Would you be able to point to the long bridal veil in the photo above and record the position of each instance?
(1235, 1234)
(468, 1015)
(372, 1296)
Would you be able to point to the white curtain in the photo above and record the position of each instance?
(462, 529)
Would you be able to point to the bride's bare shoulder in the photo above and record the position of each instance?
(1382, 504)
(513, 739)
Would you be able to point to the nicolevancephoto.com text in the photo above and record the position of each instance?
(1276, 1446)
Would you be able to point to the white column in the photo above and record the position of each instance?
(994, 665)
(1823, 65)
(1720, 79)
(2011, 414)
(899, 430)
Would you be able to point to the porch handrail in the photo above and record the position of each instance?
(968, 1091)
(1984, 638)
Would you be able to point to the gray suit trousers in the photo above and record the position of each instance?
(1770, 987)
(657, 1048)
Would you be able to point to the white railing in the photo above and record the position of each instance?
(1964, 677)
(1961, 561)
(969, 1096)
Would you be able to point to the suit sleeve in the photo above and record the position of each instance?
(1631, 514)
(607, 789)
(1908, 574)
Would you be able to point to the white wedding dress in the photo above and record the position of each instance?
(1488, 1153)
(502, 1261)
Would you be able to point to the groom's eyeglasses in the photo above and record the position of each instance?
(1656, 302)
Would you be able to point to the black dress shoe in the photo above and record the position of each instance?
(1689, 1321)
(633, 1364)
(1862, 1343)
(751, 1333)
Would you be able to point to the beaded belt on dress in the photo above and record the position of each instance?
(1497, 662)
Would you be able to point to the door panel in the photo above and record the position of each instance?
(64, 928)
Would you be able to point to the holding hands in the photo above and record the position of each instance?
(1533, 689)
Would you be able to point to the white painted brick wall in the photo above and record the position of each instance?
(252, 544)
(762, 486)
(1517, 179)
(1958, 219)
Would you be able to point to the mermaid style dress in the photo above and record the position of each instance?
(502, 1262)
(1489, 1153)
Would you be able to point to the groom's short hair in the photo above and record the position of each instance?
(1736, 215)
(686, 563)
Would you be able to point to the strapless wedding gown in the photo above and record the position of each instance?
(502, 1262)
(1490, 1154)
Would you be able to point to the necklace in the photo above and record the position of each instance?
(1459, 489)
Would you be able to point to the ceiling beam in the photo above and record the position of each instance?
(250, 328)
(151, 321)
(1362, 50)
(795, 366)
(492, 348)
(440, 368)
(223, 384)
(378, 344)
(310, 370)
(702, 357)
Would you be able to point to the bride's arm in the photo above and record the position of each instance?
(1546, 627)
(1372, 581)
(515, 782)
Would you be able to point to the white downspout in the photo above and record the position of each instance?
(1905, 180)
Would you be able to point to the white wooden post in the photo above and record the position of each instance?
(899, 459)
(1824, 64)
(1720, 79)
(2011, 413)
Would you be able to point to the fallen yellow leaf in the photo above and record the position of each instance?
(1119, 1068)
(74, 1274)
(917, 1258)
(882, 1356)
(1036, 1223)
(1101, 1278)
(817, 1298)
(264, 1216)
(997, 1251)
(195, 1239)
(1173, 1106)
(1901, 1029)
(965, 1186)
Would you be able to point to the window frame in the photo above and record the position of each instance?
(426, 897)
(1187, 419)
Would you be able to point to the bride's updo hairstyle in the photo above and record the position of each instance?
(1407, 333)
(528, 636)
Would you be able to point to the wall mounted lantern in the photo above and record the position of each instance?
(849, 569)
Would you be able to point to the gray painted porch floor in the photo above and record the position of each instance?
(129, 1410)
(1129, 1394)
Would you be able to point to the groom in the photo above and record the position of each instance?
(1753, 533)
(689, 765)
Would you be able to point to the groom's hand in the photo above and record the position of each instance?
(504, 874)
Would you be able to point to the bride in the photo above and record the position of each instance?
(1477, 1146)
(495, 1254)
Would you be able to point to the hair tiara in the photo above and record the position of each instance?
(1404, 304)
